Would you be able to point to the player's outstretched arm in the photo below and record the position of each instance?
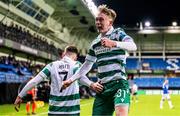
(97, 87)
(85, 68)
(33, 82)
(85, 81)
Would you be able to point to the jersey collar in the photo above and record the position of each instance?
(110, 31)
(66, 58)
(107, 33)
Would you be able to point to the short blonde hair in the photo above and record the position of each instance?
(109, 12)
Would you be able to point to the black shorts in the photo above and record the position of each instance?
(28, 98)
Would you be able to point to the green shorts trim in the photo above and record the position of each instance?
(122, 104)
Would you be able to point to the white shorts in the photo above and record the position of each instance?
(165, 96)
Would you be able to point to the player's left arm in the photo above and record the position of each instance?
(84, 69)
(28, 87)
(126, 42)
(32, 83)
(94, 86)
(85, 81)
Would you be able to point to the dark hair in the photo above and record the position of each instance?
(72, 49)
(60, 52)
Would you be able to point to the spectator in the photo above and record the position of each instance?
(20, 35)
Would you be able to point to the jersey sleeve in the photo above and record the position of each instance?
(77, 67)
(91, 56)
(46, 72)
(83, 80)
(123, 36)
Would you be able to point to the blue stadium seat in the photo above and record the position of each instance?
(132, 64)
(156, 82)
(9, 74)
(155, 63)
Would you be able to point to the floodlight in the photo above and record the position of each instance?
(174, 23)
(147, 23)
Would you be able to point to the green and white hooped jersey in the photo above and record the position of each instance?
(68, 100)
(110, 61)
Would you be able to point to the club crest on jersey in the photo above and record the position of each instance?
(101, 49)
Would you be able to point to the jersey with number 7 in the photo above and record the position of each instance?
(68, 100)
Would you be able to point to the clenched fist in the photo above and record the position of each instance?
(107, 42)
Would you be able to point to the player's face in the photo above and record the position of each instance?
(103, 23)
(75, 57)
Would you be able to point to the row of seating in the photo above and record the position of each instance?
(14, 70)
(6, 77)
(153, 63)
(156, 82)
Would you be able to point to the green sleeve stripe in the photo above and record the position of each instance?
(46, 72)
(64, 98)
(64, 108)
(75, 70)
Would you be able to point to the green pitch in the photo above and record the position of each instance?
(148, 105)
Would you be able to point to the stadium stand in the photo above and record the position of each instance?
(153, 63)
(20, 35)
(157, 63)
(15, 71)
(133, 61)
(156, 83)
(12, 73)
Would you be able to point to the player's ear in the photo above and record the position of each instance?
(63, 54)
(75, 57)
(110, 22)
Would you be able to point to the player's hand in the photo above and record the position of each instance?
(96, 87)
(107, 42)
(17, 103)
(34, 98)
(66, 83)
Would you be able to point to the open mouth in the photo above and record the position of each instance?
(99, 27)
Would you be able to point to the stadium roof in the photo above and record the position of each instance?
(63, 21)
(74, 15)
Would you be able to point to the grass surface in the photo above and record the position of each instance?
(148, 105)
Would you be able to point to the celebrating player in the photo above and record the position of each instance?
(109, 51)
